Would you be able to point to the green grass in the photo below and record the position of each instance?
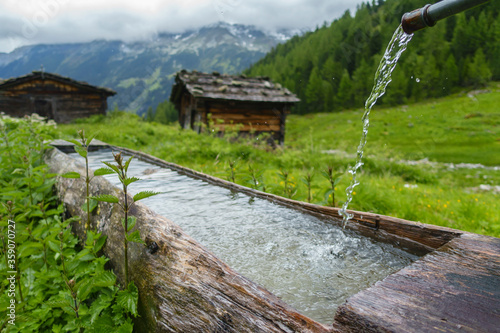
(451, 130)
(456, 129)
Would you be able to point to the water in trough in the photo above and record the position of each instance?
(312, 265)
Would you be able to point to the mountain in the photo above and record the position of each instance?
(142, 72)
(332, 68)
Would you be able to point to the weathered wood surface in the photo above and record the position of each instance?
(415, 237)
(454, 289)
(52, 96)
(252, 104)
(182, 286)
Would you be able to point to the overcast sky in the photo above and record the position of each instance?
(24, 22)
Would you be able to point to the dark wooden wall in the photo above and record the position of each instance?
(245, 116)
(51, 99)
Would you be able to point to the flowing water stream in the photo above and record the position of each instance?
(396, 47)
(312, 265)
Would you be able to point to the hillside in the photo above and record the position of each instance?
(142, 72)
(332, 68)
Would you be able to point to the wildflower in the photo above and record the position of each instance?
(452, 213)
(429, 206)
(458, 200)
(445, 206)
(353, 193)
(476, 199)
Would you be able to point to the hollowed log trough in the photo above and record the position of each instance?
(183, 287)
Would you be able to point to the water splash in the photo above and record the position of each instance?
(387, 64)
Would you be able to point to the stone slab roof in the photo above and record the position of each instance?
(230, 87)
(56, 77)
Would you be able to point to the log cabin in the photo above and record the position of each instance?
(223, 102)
(52, 96)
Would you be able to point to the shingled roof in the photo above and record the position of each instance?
(227, 87)
(44, 75)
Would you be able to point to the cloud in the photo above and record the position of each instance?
(27, 22)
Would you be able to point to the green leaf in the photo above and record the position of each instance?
(75, 142)
(135, 237)
(29, 248)
(105, 279)
(106, 198)
(112, 166)
(84, 255)
(100, 243)
(84, 288)
(131, 222)
(92, 137)
(101, 303)
(127, 327)
(90, 239)
(103, 171)
(81, 151)
(127, 299)
(128, 163)
(130, 180)
(54, 247)
(93, 204)
(56, 303)
(144, 195)
(104, 323)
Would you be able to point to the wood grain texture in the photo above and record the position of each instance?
(52, 96)
(453, 289)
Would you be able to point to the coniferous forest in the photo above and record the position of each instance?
(332, 68)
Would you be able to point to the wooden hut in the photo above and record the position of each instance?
(52, 96)
(224, 102)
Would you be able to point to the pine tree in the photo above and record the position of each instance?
(344, 95)
(478, 72)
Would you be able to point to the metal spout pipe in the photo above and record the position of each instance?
(428, 15)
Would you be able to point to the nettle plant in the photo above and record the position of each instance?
(82, 148)
(128, 222)
(333, 179)
(61, 284)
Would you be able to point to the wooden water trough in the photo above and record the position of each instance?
(454, 287)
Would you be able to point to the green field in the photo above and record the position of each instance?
(463, 128)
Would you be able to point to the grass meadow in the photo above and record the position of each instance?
(440, 134)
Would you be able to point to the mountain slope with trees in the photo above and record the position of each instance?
(142, 72)
(332, 68)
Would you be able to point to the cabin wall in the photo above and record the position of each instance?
(51, 99)
(248, 118)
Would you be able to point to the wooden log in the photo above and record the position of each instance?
(454, 289)
(182, 286)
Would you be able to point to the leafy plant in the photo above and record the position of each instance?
(82, 148)
(333, 179)
(307, 180)
(128, 222)
(288, 186)
(255, 178)
(232, 170)
(62, 286)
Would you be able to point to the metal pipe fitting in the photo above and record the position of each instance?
(428, 15)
